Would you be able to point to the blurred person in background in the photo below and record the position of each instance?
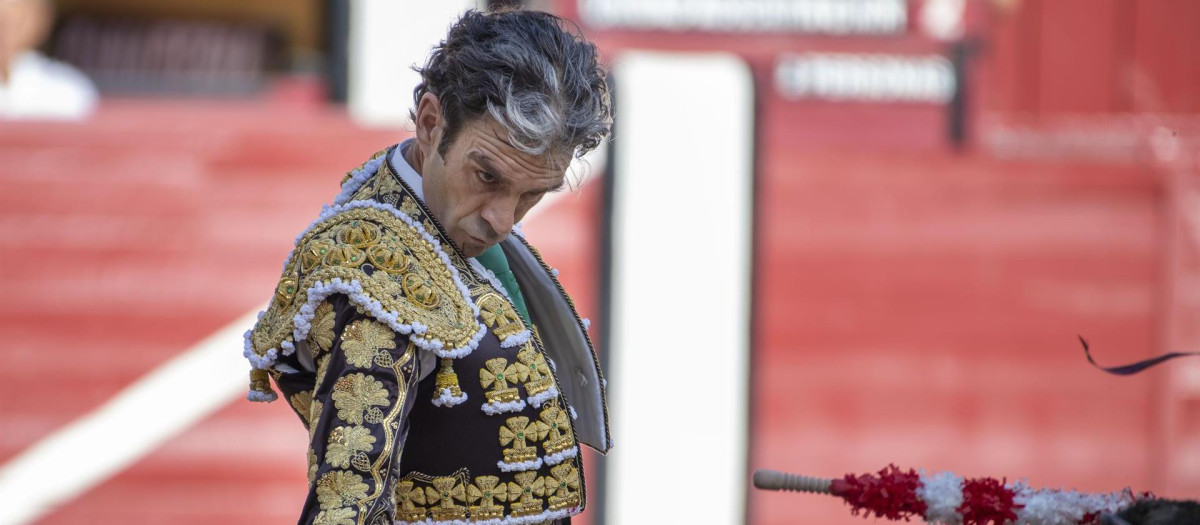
(33, 86)
(441, 371)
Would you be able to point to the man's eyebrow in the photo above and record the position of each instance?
(485, 161)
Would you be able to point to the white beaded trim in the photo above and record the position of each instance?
(516, 339)
(559, 457)
(492, 408)
(359, 177)
(447, 399)
(533, 464)
(544, 516)
(543, 397)
(261, 397)
(257, 362)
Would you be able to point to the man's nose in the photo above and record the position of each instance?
(500, 216)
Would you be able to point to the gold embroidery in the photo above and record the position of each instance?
(302, 402)
(516, 431)
(356, 394)
(388, 258)
(340, 487)
(387, 189)
(498, 373)
(345, 255)
(321, 335)
(445, 491)
(285, 291)
(314, 254)
(348, 445)
(365, 191)
(383, 359)
(563, 487)
(322, 368)
(529, 488)
(484, 491)
(363, 339)
(409, 502)
(390, 424)
(420, 290)
(557, 422)
(539, 374)
(314, 415)
(497, 313)
(409, 207)
(359, 234)
(312, 466)
(338, 516)
(431, 296)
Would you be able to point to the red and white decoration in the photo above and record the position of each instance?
(945, 498)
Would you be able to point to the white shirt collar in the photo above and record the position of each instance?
(405, 171)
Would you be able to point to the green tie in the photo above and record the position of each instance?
(493, 259)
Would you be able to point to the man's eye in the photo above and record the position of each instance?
(486, 177)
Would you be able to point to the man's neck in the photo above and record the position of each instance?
(412, 156)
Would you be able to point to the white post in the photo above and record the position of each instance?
(683, 164)
(388, 38)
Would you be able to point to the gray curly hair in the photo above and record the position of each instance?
(538, 79)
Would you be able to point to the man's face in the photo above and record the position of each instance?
(483, 185)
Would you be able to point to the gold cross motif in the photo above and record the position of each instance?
(443, 493)
(529, 488)
(484, 490)
(539, 374)
(500, 316)
(558, 424)
(408, 500)
(498, 372)
(563, 487)
(517, 431)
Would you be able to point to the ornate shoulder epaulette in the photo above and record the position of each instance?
(388, 265)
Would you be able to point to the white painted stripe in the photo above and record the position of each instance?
(136, 421)
(681, 287)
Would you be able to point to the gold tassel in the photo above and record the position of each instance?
(447, 378)
(260, 382)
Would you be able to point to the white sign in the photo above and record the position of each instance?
(854, 77)
(834, 17)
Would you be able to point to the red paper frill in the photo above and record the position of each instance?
(891, 493)
(987, 502)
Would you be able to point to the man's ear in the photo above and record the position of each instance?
(429, 123)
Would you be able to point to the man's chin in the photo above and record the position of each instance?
(472, 250)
